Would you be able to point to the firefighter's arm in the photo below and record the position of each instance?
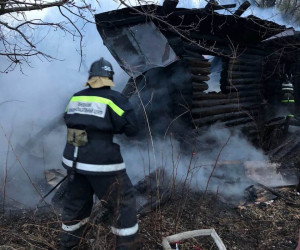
(127, 121)
(130, 127)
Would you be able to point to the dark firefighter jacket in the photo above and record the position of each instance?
(101, 112)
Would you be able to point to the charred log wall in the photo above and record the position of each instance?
(241, 85)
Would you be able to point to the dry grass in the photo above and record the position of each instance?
(274, 226)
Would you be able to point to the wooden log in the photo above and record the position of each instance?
(209, 96)
(229, 82)
(244, 68)
(199, 78)
(243, 87)
(200, 86)
(239, 61)
(251, 57)
(239, 122)
(252, 51)
(211, 103)
(197, 49)
(199, 63)
(224, 117)
(213, 5)
(245, 128)
(199, 70)
(193, 53)
(252, 92)
(203, 112)
(239, 76)
(243, 7)
(242, 74)
(213, 96)
(196, 59)
(238, 81)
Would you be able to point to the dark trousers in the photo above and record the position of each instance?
(117, 192)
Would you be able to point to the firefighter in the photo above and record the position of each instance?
(287, 94)
(94, 162)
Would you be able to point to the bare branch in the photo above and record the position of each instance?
(32, 7)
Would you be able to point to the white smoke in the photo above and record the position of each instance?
(34, 100)
(196, 163)
(32, 103)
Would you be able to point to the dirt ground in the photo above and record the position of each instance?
(257, 226)
(274, 224)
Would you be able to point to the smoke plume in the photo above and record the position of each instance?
(32, 102)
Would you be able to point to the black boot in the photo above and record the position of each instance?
(127, 242)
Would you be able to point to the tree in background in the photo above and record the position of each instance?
(290, 9)
(18, 42)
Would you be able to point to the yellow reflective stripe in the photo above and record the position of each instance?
(98, 99)
(291, 116)
(285, 101)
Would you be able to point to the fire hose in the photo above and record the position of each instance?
(52, 189)
(71, 175)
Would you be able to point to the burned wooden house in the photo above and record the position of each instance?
(165, 50)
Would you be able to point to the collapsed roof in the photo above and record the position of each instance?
(138, 35)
